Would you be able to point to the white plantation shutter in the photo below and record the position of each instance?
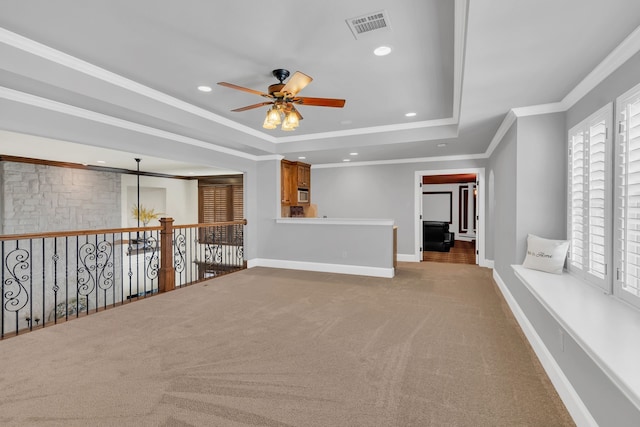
(577, 195)
(627, 284)
(598, 198)
(589, 200)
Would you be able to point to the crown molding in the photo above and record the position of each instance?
(618, 56)
(460, 16)
(43, 51)
(536, 110)
(59, 107)
(622, 53)
(402, 161)
(369, 130)
(277, 157)
(504, 127)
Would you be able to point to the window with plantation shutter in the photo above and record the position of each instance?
(627, 283)
(220, 200)
(589, 201)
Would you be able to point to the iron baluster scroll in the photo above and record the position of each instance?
(95, 269)
(238, 242)
(179, 253)
(152, 263)
(53, 277)
(142, 264)
(14, 292)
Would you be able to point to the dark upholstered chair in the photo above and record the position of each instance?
(436, 236)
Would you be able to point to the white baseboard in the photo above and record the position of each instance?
(322, 267)
(408, 257)
(577, 409)
(487, 263)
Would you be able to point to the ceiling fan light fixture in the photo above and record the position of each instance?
(273, 116)
(287, 127)
(290, 121)
(267, 124)
(283, 96)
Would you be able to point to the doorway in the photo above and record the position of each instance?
(451, 199)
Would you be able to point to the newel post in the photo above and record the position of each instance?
(167, 279)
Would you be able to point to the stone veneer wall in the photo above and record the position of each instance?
(39, 198)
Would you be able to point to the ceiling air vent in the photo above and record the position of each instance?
(367, 23)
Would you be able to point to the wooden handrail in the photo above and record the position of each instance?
(52, 234)
(213, 224)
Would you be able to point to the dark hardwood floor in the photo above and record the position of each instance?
(461, 253)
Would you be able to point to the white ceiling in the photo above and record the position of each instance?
(122, 75)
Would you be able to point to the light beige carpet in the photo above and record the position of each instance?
(269, 347)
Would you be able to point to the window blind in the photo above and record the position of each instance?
(589, 201)
(214, 204)
(628, 197)
(238, 202)
(220, 203)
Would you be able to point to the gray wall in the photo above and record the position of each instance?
(503, 168)
(268, 202)
(541, 194)
(331, 244)
(39, 198)
(376, 191)
(529, 168)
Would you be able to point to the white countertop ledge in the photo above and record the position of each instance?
(336, 221)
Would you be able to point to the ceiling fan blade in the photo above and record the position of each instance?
(320, 102)
(251, 107)
(244, 89)
(296, 83)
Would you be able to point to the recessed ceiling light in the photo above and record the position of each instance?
(412, 114)
(301, 158)
(353, 154)
(346, 160)
(442, 144)
(204, 88)
(382, 51)
(102, 162)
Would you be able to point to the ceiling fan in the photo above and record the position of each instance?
(282, 99)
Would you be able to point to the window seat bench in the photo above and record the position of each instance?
(607, 329)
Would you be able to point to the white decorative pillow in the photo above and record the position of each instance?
(545, 254)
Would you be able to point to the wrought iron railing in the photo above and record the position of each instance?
(53, 277)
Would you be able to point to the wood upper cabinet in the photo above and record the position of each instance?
(294, 176)
(304, 175)
(288, 192)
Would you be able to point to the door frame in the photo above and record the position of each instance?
(480, 218)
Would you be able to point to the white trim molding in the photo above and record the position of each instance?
(50, 54)
(335, 221)
(59, 107)
(622, 53)
(357, 270)
(402, 161)
(618, 56)
(480, 235)
(408, 258)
